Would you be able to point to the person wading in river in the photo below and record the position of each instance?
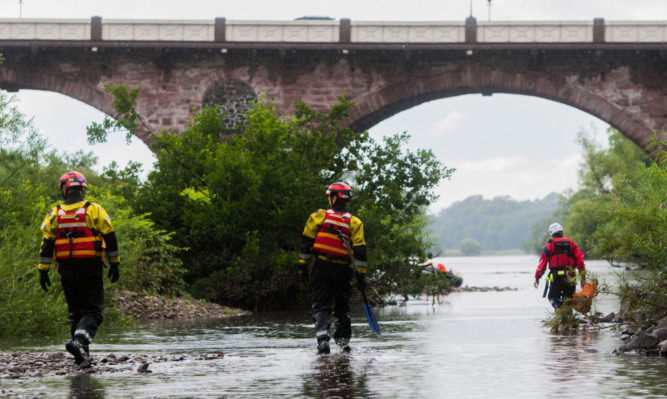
(331, 274)
(563, 256)
(79, 231)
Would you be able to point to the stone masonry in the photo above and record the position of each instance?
(626, 88)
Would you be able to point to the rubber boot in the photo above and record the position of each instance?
(79, 350)
(323, 347)
(343, 344)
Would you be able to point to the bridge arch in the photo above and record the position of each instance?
(573, 91)
(615, 71)
(62, 121)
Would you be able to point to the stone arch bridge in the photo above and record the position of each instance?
(616, 71)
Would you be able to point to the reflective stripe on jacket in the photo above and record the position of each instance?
(327, 241)
(355, 232)
(74, 238)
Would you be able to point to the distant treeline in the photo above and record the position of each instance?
(501, 223)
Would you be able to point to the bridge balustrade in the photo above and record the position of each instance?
(35, 29)
(408, 32)
(622, 31)
(532, 32)
(330, 31)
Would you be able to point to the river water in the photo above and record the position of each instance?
(465, 345)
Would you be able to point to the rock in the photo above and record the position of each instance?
(591, 350)
(144, 368)
(22, 365)
(144, 307)
(662, 323)
(608, 318)
(663, 347)
(642, 341)
(661, 333)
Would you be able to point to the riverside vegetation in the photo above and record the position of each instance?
(220, 216)
(620, 214)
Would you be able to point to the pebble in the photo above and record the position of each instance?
(24, 365)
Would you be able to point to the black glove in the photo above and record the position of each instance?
(113, 274)
(44, 280)
(305, 278)
(361, 281)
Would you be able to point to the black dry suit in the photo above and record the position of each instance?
(561, 255)
(331, 274)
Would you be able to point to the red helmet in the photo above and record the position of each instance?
(341, 190)
(73, 179)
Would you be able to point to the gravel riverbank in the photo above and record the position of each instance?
(21, 365)
(144, 307)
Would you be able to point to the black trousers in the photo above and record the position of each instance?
(84, 293)
(331, 293)
(562, 286)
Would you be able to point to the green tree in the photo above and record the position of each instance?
(619, 214)
(498, 224)
(632, 226)
(239, 204)
(29, 174)
(470, 247)
(600, 165)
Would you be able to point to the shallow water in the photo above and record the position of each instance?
(468, 345)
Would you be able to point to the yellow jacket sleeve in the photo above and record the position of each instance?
(358, 244)
(314, 222)
(309, 233)
(49, 226)
(97, 218)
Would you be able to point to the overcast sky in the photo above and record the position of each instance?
(523, 147)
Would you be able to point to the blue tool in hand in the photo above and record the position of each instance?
(370, 316)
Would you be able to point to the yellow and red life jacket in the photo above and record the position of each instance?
(327, 241)
(74, 239)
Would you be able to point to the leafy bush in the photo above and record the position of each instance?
(149, 262)
(632, 228)
(240, 204)
(24, 308)
(28, 189)
(563, 319)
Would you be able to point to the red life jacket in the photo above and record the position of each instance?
(74, 239)
(327, 241)
(561, 253)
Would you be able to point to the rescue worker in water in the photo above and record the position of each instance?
(332, 272)
(79, 232)
(563, 256)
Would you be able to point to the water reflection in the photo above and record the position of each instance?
(471, 345)
(83, 386)
(333, 377)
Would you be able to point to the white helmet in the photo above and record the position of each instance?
(555, 228)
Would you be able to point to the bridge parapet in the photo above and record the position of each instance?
(535, 32)
(408, 32)
(153, 30)
(621, 31)
(330, 31)
(36, 29)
